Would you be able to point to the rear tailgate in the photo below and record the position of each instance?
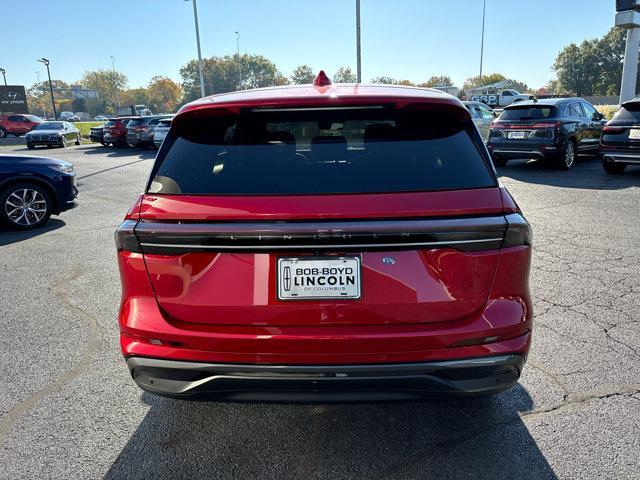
(406, 284)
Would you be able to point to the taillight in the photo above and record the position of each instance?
(518, 231)
(125, 237)
(546, 125)
(613, 130)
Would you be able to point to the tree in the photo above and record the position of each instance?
(108, 83)
(135, 96)
(344, 75)
(594, 67)
(229, 73)
(39, 98)
(302, 74)
(438, 81)
(477, 81)
(164, 94)
(383, 79)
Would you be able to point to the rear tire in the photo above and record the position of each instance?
(30, 146)
(63, 142)
(78, 140)
(567, 156)
(613, 167)
(499, 161)
(3, 132)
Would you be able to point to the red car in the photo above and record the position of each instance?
(324, 242)
(17, 124)
(115, 131)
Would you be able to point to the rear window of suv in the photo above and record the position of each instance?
(628, 113)
(523, 113)
(319, 151)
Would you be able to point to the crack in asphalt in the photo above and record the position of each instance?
(628, 391)
(95, 339)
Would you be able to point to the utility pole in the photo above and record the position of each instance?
(358, 51)
(628, 16)
(484, 9)
(195, 19)
(53, 102)
(115, 84)
(239, 62)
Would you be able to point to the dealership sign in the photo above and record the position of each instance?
(13, 99)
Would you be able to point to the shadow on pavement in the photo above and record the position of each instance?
(479, 438)
(586, 173)
(7, 237)
(96, 149)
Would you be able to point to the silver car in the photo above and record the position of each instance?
(482, 115)
(161, 131)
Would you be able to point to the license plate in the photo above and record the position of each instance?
(311, 278)
(516, 135)
(634, 134)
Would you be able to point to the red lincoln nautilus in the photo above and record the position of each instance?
(324, 243)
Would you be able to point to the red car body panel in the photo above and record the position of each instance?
(301, 207)
(507, 314)
(416, 305)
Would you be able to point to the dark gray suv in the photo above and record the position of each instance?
(140, 130)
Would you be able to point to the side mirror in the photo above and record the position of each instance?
(598, 116)
(495, 114)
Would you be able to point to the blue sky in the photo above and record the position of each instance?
(411, 39)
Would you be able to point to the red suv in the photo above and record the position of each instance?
(17, 124)
(115, 131)
(324, 242)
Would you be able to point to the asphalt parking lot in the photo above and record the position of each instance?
(69, 410)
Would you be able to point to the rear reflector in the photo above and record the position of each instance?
(125, 237)
(518, 231)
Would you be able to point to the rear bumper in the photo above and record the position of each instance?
(629, 158)
(522, 150)
(325, 383)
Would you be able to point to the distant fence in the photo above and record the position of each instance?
(603, 99)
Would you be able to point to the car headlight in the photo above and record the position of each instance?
(68, 169)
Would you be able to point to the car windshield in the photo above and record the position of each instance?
(33, 118)
(321, 152)
(528, 112)
(50, 126)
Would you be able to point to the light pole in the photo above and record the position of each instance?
(239, 62)
(53, 102)
(358, 51)
(195, 19)
(484, 9)
(113, 67)
(3, 71)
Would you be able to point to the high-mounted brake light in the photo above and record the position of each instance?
(322, 80)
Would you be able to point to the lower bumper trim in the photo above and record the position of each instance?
(326, 383)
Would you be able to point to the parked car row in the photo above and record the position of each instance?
(135, 131)
(557, 130)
